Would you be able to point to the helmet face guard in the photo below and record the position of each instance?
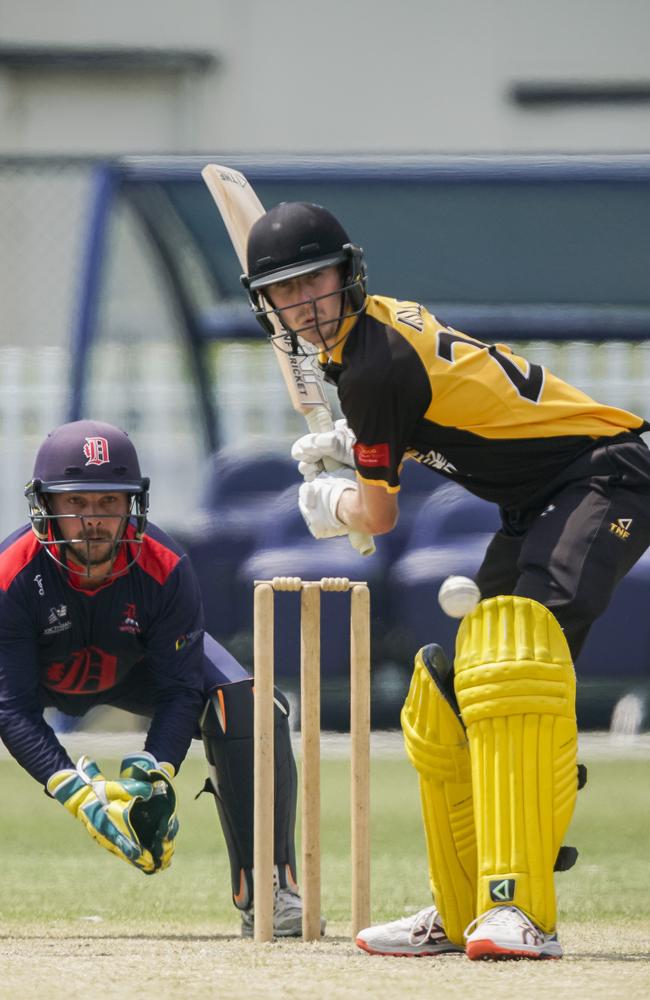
(46, 527)
(352, 292)
(88, 457)
(294, 239)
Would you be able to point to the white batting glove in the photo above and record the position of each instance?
(318, 500)
(309, 450)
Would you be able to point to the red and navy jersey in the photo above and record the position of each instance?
(63, 644)
(501, 426)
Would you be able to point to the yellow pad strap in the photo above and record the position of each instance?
(437, 747)
(515, 686)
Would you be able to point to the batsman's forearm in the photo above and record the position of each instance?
(358, 518)
(360, 537)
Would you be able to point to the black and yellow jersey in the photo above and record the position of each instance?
(487, 418)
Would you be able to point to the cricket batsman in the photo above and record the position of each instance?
(98, 606)
(494, 740)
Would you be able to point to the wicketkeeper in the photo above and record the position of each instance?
(100, 607)
(494, 742)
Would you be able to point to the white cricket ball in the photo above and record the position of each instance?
(458, 596)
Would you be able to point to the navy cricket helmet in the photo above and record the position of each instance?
(86, 456)
(297, 238)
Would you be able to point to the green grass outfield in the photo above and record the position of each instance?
(52, 870)
(63, 899)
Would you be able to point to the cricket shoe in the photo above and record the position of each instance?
(287, 915)
(506, 932)
(408, 937)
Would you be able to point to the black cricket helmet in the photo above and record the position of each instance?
(297, 238)
(85, 456)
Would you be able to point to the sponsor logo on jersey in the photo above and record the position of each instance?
(434, 460)
(372, 455)
(130, 621)
(411, 315)
(96, 451)
(58, 620)
(621, 528)
(188, 638)
(38, 580)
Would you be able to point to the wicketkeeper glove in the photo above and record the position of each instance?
(108, 809)
(319, 499)
(310, 450)
(156, 820)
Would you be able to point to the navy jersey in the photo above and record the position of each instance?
(76, 648)
(477, 413)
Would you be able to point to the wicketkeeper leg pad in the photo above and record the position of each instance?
(436, 745)
(227, 731)
(515, 686)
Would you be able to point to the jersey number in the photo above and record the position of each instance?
(529, 385)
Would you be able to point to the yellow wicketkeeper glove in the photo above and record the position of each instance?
(108, 809)
(157, 823)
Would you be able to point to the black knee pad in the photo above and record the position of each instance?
(227, 732)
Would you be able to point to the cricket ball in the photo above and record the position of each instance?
(458, 595)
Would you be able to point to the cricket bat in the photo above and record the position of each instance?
(240, 208)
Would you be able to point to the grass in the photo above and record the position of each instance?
(53, 873)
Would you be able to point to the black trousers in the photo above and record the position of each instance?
(570, 552)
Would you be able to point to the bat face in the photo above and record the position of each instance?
(240, 208)
(307, 382)
(237, 202)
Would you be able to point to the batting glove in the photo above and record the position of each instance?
(310, 450)
(156, 820)
(319, 499)
(106, 809)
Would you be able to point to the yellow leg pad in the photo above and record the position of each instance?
(515, 685)
(437, 747)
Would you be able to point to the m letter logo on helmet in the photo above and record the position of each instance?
(502, 890)
(96, 451)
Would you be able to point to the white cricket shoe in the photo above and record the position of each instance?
(421, 934)
(287, 916)
(506, 932)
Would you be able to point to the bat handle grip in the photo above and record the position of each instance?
(319, 419)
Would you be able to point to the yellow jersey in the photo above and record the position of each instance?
(501, 426)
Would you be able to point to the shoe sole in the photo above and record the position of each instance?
(487, 949)
(406, 954)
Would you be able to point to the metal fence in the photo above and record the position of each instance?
(140, 381)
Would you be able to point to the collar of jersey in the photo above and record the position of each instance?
(336, 354)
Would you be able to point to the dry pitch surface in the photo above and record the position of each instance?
(600, 965)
